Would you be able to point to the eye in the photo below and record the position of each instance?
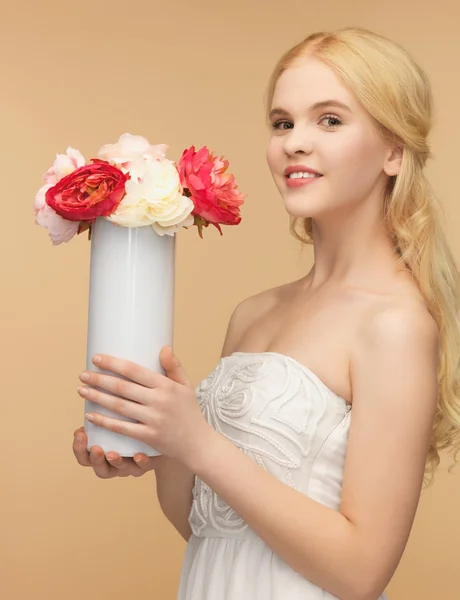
(276, 124)
(332, 118)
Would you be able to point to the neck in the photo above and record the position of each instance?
(353, 250)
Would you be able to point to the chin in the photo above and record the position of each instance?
(299, 214)
(300, 209)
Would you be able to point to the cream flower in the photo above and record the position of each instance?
(155, 200)
(132, 153)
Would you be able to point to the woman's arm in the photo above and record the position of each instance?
(173, 479)
(352, 553)
(174, 491)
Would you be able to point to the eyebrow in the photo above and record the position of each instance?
(313, 107)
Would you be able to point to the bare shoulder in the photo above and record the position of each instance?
(246, 313)
(393, 371)
(404, 322)
(397, 338)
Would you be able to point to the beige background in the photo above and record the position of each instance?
(180, 73)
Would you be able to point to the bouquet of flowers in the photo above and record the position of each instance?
(132, 201)
(133, 184)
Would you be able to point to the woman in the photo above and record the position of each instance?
(312, 438)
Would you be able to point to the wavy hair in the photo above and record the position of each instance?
(396, 92)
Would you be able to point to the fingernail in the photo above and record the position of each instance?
(97, 359)
(138, 459)
(110, 458)
(79, 438)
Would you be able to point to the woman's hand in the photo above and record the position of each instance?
(166, 408)
(111, 465)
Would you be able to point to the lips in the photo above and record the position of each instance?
(300, 181)
(300, 169)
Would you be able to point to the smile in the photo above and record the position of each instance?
(294, 182)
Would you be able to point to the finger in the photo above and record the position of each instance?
(136, 466)
(79, 448)
(147, 463)
(123, 467)
(117, 386)
(129, 370)
(100, 466)
(137, 431)
(123, 407)
(140, 461)
(104, 467)
(80, 430)
(115, 460)
(173, 367)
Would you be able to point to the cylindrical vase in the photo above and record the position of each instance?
(131, 310)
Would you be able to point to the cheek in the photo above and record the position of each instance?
(351, 157)
(273, 155)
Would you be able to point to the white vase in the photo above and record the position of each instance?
(131, 304)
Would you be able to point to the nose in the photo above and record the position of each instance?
(297, 142)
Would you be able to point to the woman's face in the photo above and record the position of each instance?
(340, 143)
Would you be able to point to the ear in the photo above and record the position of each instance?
(393, 161)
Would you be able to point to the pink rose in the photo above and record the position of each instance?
(213, 191)
(63, 165)
(94, 190)
(60, 230)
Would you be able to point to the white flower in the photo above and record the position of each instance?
(155, 200)
(172, 229)
(131, 154)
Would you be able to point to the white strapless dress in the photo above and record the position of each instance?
(281, 415)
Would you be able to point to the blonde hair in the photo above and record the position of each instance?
(396, 92)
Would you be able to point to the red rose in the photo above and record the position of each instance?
(94, 190)
(212, 190)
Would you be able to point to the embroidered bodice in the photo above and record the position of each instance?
(281, 415)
